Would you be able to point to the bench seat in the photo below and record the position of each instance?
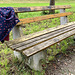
(33, 43)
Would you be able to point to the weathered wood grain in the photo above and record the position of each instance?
(24, 38)
(39, 8)
(40, 18)
(29, 43)
(37, 42)
(48, 43)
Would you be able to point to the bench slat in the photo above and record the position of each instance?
(39, 8)
(40, 18)
(48, 43)
(24, 38)
(29, 43)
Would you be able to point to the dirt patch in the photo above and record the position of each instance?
(63, 65)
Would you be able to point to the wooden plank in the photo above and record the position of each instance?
(39, 8)
(40, 18)
(39, 41)
(29, 43)
(41, 37)
(48, 43)
(24, 38)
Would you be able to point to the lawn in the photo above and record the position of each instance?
(34, 4)
(10, 65)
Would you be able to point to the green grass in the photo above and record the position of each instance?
(8, 64)
(33, 4)
(22, 4)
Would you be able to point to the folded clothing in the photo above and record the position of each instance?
(7, 21)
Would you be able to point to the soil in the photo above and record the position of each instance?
(64, 64)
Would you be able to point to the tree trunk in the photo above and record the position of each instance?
(52, 2)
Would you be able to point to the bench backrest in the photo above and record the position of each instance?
(17, 31)
(40, 18)
(40, 8)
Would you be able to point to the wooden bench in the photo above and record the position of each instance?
(33, 46)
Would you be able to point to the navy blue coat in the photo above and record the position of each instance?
(7, 21)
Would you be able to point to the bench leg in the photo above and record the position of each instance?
(18, 55)
(63, 20)
(34, 61)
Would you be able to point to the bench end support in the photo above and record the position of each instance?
(34, 61)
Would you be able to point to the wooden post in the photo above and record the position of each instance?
(64, 19)
(52, 2)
